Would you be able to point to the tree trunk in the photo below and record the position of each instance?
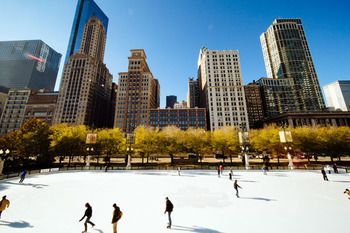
(69, 159)
(142, 156)
(332, 158)
(231, 159)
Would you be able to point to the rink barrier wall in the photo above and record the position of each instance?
(123, 168)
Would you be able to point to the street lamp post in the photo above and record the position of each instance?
(129, 149)
(286, 137)
(89, 151)
(3, 156)
(244, 141)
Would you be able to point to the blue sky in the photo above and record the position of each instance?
(173, 31)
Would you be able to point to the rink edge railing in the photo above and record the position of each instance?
(123, 168)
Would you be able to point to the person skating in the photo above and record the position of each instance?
(4, 203)
(23, 176)
(87, 214)
(117, 214)
(324, 174)
(335, 168)
(219, 171)
(179, 171)
(236, 186)
(230, 175)
(347, 191)
(168, 208)
(221, 167)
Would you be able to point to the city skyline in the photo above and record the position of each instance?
(184, 30)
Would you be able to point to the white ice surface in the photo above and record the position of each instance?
(294, 202)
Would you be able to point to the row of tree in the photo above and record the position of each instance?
(35, 139)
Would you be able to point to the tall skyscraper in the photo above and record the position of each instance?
(193, 93)
(287, 55)
(221, 88)
(338, 95)
(170, 101)
(84, 11)
(86, 82)
(138, 92)
(28, 64)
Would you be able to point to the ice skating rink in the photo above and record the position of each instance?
(294, 202)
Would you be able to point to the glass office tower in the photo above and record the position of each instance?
(28, 64)
(287, 55)
(85, 9)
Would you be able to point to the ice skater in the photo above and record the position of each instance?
(230, 175)
(221, 167)
(219, 171)
(87, 214)
(335, 168)
(4, 203)
(264, 170)
(324, 174)
(168, 208)
(23, 176)
(117, 214)
(179, 171)
(347, 191)
(236, 186)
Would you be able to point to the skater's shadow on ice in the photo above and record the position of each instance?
(194, 229)
(98, 230)
(38, 186)
(19, 224)
(277, 174)
(258, 198)
(341, 181)
(249, 181)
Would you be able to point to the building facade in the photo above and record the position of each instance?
(337, 95)
(28, 64)
(12, 116)
(41, 105)
(221, 88)
(193, 93)
(181, 118)
(300, 119)
(170, 101)
(253, 98)
(86, 84)
(278, 96)
(287, 55)
(84, 11)
(138, 92)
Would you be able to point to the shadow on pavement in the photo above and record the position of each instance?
(194, 229)
(18, 224)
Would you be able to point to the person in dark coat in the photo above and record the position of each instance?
(335, 168)
(87, 214)
(23, 176)
(117, 214)
(236, 186)
(230, 175)
(324, 174)
(168, 208)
